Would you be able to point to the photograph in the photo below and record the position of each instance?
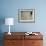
(26, 15)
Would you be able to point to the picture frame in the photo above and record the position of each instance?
(26, 15)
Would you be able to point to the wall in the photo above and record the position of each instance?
(9, 8)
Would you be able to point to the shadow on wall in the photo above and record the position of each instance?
(2, 21)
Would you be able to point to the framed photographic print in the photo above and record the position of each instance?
(26, 15)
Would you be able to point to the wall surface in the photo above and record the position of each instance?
(9, 8)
